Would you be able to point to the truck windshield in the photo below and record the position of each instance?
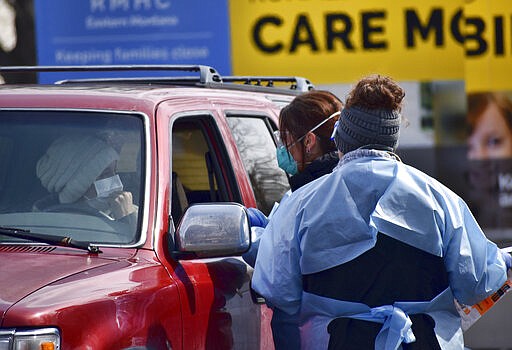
(72, 173)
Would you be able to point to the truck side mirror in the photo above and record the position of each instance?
(210, 230)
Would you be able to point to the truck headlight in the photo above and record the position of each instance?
(30, 339)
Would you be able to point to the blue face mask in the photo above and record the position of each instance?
(286, 161)
(284, 158)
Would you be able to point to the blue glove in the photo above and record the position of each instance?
(257, 218)
(507, 257)
(250, 255)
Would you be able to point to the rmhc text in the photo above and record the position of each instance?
(127, 5)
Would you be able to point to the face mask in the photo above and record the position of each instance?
(286, 161)
(105, 187)
(284, 158)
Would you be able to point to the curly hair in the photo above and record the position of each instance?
(376, 92)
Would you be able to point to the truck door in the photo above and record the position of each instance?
(218, 307)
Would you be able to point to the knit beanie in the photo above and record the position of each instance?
(359, 127)
(72, 164)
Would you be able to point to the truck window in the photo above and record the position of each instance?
(51, 164)
(253, 136)
(200, 170)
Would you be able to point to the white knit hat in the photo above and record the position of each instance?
(71, 165)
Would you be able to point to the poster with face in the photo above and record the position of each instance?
(489, 155)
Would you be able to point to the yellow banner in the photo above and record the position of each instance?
(338, 41)
(488, 64)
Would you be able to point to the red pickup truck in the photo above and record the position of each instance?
(74, 275)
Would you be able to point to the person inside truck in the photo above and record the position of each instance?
(307, 153)
(373, 254)
(80, 174)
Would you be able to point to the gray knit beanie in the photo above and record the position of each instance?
(71, 165)
(359, 127)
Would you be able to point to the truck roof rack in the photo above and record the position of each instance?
(208, 77)
(297, 83)
(207, 74)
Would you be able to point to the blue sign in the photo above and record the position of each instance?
(120, 32)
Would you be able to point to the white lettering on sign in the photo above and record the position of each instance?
(505, 182)
(190, 53)
(143, 54)
(97, 5)
(154, 21)
(83, 57)
(119, 5)
(505, 187)
(128, 5)
(142, 4)
(105, 22)
(112, 22)
(505, 200)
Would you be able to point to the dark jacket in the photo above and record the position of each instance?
(381, 276)
(317, 168)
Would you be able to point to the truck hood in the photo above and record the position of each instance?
(25, 269)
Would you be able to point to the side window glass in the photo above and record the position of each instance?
(255, 143)
(196, 170)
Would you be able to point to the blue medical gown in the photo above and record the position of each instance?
(336, 218)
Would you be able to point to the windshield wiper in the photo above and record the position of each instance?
(49, 239)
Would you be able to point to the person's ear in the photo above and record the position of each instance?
(309, 142)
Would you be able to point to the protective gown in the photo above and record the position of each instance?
(336, 218)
